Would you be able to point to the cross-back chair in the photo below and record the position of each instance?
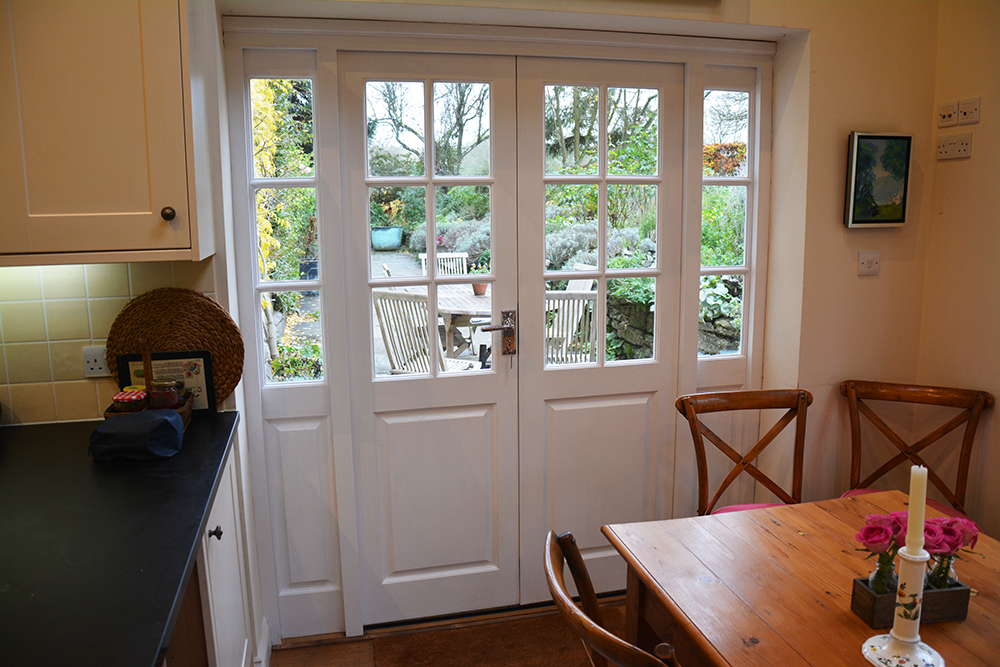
(602, 646)
(448, 263)
(971, 404)
(570, 336)
(402, 318)
(794, 401)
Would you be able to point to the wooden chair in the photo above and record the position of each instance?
(602, 647)
(795, 401)
(581, 284)
(448, 263)
(570, 336)
(971, 404)
(402, 318)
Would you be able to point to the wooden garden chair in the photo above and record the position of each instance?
(402, 318)
(570, 337)
(795, 401)
(970, 403)
(448, 263)
(602, 646)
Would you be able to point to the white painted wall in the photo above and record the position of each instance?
(961, 300)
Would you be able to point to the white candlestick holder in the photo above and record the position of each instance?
(902, 646)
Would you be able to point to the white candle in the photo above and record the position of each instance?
(918, 505)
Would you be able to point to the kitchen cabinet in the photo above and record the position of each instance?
(222, 574)
(97, 158)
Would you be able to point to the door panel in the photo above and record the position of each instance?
(597, 419)
(435, 436)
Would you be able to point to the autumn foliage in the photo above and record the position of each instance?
(724, 159)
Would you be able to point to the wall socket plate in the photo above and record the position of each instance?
(968, 111)
(94, 363)
(868, 263)
(954, 146)
(947, 115)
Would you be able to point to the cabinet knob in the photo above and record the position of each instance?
(217, 533)
(168, 213)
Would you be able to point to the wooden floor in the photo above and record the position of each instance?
(340, 651)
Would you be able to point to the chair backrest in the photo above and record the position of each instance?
(402, 318)
(795, 401)
(601, 645)
(581, 284)
(970, 402)
(570, 336)
(448, 263)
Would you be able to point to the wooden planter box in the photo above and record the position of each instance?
(940, 604)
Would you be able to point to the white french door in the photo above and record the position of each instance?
(462, 471)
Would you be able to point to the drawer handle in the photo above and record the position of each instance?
(217, 533)
(168, 213)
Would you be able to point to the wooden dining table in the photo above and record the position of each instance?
(772, 587)
(457, 306)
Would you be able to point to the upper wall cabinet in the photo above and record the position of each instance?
(96, 162)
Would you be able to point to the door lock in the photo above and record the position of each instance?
(508, 325)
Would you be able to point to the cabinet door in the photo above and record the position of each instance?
(92, 114)
(224, 592)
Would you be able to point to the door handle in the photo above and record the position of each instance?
(508, 325)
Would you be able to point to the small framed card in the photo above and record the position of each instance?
(193, 368)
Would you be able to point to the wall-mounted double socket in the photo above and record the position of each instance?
(968, 111)
(954, 146)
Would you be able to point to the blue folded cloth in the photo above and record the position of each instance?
(144, 435)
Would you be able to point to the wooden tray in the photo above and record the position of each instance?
(184, 409)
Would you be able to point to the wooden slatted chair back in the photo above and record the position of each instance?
(795, 401)
(448, 263)
(970, 403)
(602, 646)
(402, 318)
(570, 337)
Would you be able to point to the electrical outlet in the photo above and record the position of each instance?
(968, 111)
(94, 363)
(867, 263)
(947, 114)
(954, 146)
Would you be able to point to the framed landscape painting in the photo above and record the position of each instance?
(877, 179)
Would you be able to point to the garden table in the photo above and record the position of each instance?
(773, 587)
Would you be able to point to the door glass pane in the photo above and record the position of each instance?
(632, 131)
(727, 119)
(395, 216)
(571, 129)
(463, 229)
(723, 224)
(287, 236)
(395, 125)
(462, 129)
(720, 320)
(293, 336)
(463, 310)
(631, 230)
(631, 305)
(570, 227)
(570, 337)
(282, 127)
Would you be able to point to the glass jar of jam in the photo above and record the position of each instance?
(164, 394)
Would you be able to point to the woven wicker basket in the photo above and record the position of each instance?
(172, 319)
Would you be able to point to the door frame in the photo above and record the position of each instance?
(326, 37)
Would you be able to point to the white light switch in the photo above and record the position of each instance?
(867, 263)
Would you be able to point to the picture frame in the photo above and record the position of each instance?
(193, 367)
(878, 177)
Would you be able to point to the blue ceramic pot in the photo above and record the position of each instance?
(387, 238)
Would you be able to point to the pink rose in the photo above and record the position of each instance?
(877, 539)
(969, 531)
(952, 539)
(934, 541)
(895, 522)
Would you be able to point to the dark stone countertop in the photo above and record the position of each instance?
(95, 556)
